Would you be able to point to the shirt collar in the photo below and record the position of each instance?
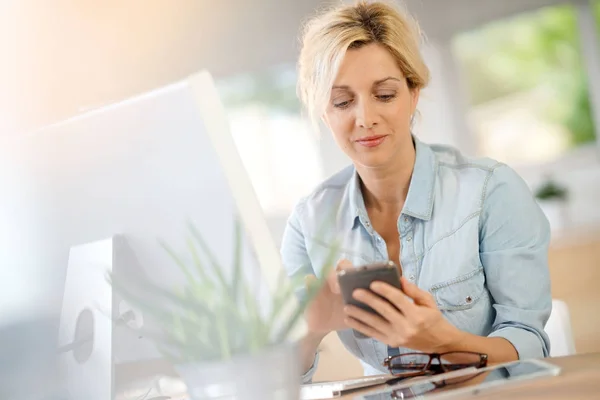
(419, 201)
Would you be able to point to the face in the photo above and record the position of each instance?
(370, 108)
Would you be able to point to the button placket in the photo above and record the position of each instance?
(406, 245)
(380, 245)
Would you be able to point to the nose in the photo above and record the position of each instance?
(366, 116)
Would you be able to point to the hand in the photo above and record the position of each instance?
(408, 318)
(325, 312)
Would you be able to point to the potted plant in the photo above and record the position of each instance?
(222, 340)
(552, 198)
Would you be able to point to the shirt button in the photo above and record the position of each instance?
(408, 239)
(411, 278)
(405, 219)
(367, 223)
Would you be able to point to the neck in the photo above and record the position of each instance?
(385, 188)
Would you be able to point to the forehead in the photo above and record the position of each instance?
(363, 66)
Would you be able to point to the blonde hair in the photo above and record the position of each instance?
(328, 36)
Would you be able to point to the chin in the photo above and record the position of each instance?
(374, 159)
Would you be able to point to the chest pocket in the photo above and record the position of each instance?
(461, 293)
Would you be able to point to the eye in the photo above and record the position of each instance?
(386, 97)
(342, 104)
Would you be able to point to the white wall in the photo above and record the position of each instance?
(579, 171)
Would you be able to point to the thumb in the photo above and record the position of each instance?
(420, 297)
(334, 285)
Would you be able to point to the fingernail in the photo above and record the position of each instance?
(344, 263)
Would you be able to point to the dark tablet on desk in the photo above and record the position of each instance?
(457, 384)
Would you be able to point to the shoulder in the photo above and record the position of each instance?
(477, 184)
(493, 190)
(327, 195)
(451, 158)
(493, 175)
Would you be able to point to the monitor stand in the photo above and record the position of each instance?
(101, 346)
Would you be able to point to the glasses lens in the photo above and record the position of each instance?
(458, 360)
(407, 363)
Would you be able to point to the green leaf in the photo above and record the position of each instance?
(237, 262)
(199, 266)
(310, 296)
(178, 261)
(283, 295)
(223, 337)
(216, 267)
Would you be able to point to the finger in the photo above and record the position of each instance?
(421, 297)
(380, 305)
(344, 264)
(365, 329)
(394, 295)
(367, 318)
(332, 280)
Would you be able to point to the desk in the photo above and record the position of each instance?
(579, 379)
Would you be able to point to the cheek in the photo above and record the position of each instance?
(397, 117)
(341, 125)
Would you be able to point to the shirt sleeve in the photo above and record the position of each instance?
(514, 241)
(297, 264)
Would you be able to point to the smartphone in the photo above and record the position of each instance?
(361, 278)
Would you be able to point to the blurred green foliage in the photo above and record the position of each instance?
(551, 190)
(211, 317)
(274, 88)
(540, 49)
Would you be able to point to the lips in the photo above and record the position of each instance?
(371, 141)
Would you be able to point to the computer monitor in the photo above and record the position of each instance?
(140, 169)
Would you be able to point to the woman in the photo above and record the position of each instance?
(467, 234)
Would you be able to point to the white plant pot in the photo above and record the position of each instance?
(556, 212)
(273, 374)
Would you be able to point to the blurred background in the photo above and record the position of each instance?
(515, 80)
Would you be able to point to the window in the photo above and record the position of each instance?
(274, 140)
(527, 86)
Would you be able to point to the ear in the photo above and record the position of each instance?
(414, 93)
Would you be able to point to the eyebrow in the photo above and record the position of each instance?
(378, 82)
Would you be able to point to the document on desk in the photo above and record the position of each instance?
(330, 390)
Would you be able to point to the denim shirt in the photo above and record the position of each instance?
(471, 234)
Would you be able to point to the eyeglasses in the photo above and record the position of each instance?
(410, 364)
